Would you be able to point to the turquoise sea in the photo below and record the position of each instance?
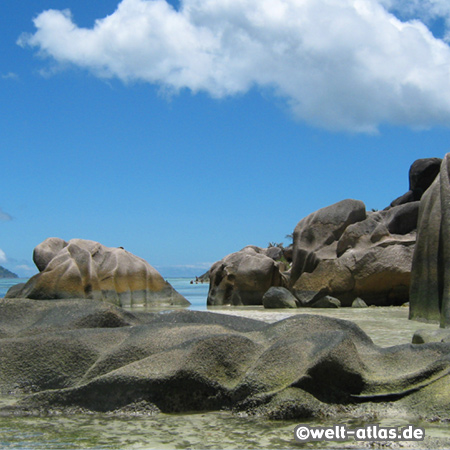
(205, 430)
(6, 283)
(195, 293)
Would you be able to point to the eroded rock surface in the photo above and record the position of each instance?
(86, 269)
(84, 354)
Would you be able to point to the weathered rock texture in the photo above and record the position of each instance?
(92, 355)
(346, 252)
(430, 287)
(86, 269)
(242, 278)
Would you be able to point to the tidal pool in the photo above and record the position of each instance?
(212, 430)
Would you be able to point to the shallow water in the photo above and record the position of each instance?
(217, 430)
(6, 283)
(210, 430)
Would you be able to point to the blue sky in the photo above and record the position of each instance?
(185, 131)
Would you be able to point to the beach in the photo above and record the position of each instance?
(213, 430)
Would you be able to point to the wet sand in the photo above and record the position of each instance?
(387, 326)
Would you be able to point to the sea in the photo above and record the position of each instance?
(207, 430)
(196, 293)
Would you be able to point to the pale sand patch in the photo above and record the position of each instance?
(386, 326)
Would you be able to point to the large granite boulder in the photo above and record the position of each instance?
(430, 286)
(316, 236)
(59, 354)
(421, 175)
(368, 257)
(242, 278)
(86, 269)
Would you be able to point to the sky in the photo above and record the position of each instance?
(185, 130)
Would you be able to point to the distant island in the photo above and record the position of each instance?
(5, 273)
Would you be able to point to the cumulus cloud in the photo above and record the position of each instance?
(424, 10)
(338, 64)
(4, 217)
(3, 257)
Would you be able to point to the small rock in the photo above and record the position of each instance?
(359, 303)
(279, 297)
(327, 302)
(426, 336)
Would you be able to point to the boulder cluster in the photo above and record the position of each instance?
(342, 255)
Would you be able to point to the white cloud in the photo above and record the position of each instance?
(339, 64)
(424, 10)
(26, 268)
(3, 258)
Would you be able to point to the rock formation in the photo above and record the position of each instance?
(243, 277)
(430, 287)
(421, 175)
(341, 250)
(316, 236)
(86, 269)
(96, 356)
(346, 252)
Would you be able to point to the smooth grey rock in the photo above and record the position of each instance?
(279, 297)
(359, 303)
(327, 302)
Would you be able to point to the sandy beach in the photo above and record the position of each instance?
(386, 326)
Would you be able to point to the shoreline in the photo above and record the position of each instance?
(386, 325)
